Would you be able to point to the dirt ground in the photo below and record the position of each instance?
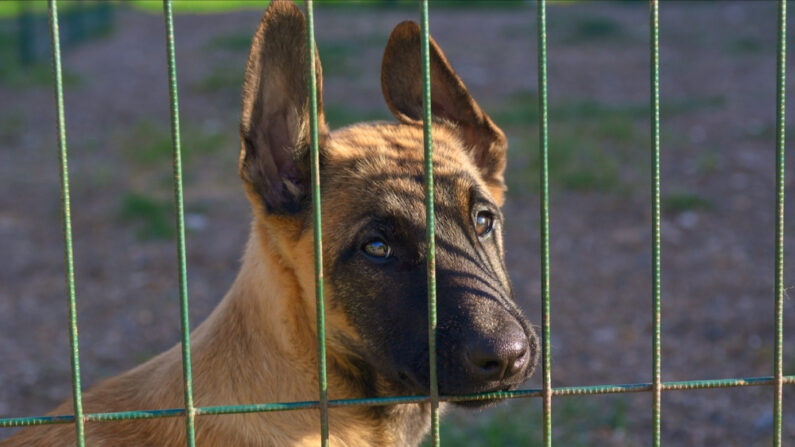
(718, 94)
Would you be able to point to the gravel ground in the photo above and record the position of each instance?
(718, 74)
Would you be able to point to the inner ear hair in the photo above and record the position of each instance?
(274, 125)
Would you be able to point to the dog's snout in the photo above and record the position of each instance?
(498, 358)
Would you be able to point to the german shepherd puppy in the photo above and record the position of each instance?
(259, 344)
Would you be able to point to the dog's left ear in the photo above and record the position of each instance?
(274, 123)
(401, 83)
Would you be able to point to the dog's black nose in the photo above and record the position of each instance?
(499, 357)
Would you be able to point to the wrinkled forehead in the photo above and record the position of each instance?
(377, 171)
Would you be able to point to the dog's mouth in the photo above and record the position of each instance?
(413, 386)
(451, 384)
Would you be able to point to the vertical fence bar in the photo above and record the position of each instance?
(430, 219)
(187, 375)
(77, 397)
(543, 147)
(318, 229)
(781, 98)
(654, 37)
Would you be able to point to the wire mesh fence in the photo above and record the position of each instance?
(656, 386)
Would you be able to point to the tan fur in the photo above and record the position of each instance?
(259, 345)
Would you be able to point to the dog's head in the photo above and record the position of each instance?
(374, 251)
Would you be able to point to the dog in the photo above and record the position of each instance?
(260, 343)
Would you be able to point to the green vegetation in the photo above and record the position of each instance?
(594, 28)
(230, 42)
(198, 6)
(745, 45)
(340, 115)
(523, 109)
(12, 8)
(577, 422)
(593, 146)
(39, 74)
(152, 217)
(335, 56)
(12, 126)
(683, 200)
(149, 143)
(221, 78)
(577, 161)
(707, 162)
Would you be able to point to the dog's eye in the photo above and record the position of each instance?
(484, 222)
(377, 249)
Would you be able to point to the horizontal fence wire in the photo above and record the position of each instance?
(317, 224)
(60, 122)
(654, 69)
(686, 385)
(179, 216)
(781, 123)
(430, 220)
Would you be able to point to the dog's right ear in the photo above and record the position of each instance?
(274, 124)
(401, 83)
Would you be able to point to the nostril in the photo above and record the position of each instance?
(484, 362)
(491, 365)
(519, 362)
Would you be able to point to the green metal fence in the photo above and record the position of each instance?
(777, 380)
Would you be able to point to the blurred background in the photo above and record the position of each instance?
(718, 109)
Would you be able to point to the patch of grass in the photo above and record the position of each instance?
(17, 75)
(339, 115)
(615, 127)
(744, 45)
(520, 111)
(37, 75)
(221, 78)
(198, 6)
(335, 57)
(523, 110)
(151, 216)
(593, 145)
(691, 104)
(682, 200)
(149, 143)
(230, 42)
(578, 161)
(707, 162)
(595, 28)
(12, 8)
(590, 143)
(578, 422)
(12, 127)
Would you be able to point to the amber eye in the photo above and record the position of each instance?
(484, 222)
(377, 249)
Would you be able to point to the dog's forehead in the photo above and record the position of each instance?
(373, 171)
(384, 162)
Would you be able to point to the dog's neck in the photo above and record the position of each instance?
(262, 335)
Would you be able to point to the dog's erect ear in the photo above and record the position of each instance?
(274, 125)
(401, 82)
